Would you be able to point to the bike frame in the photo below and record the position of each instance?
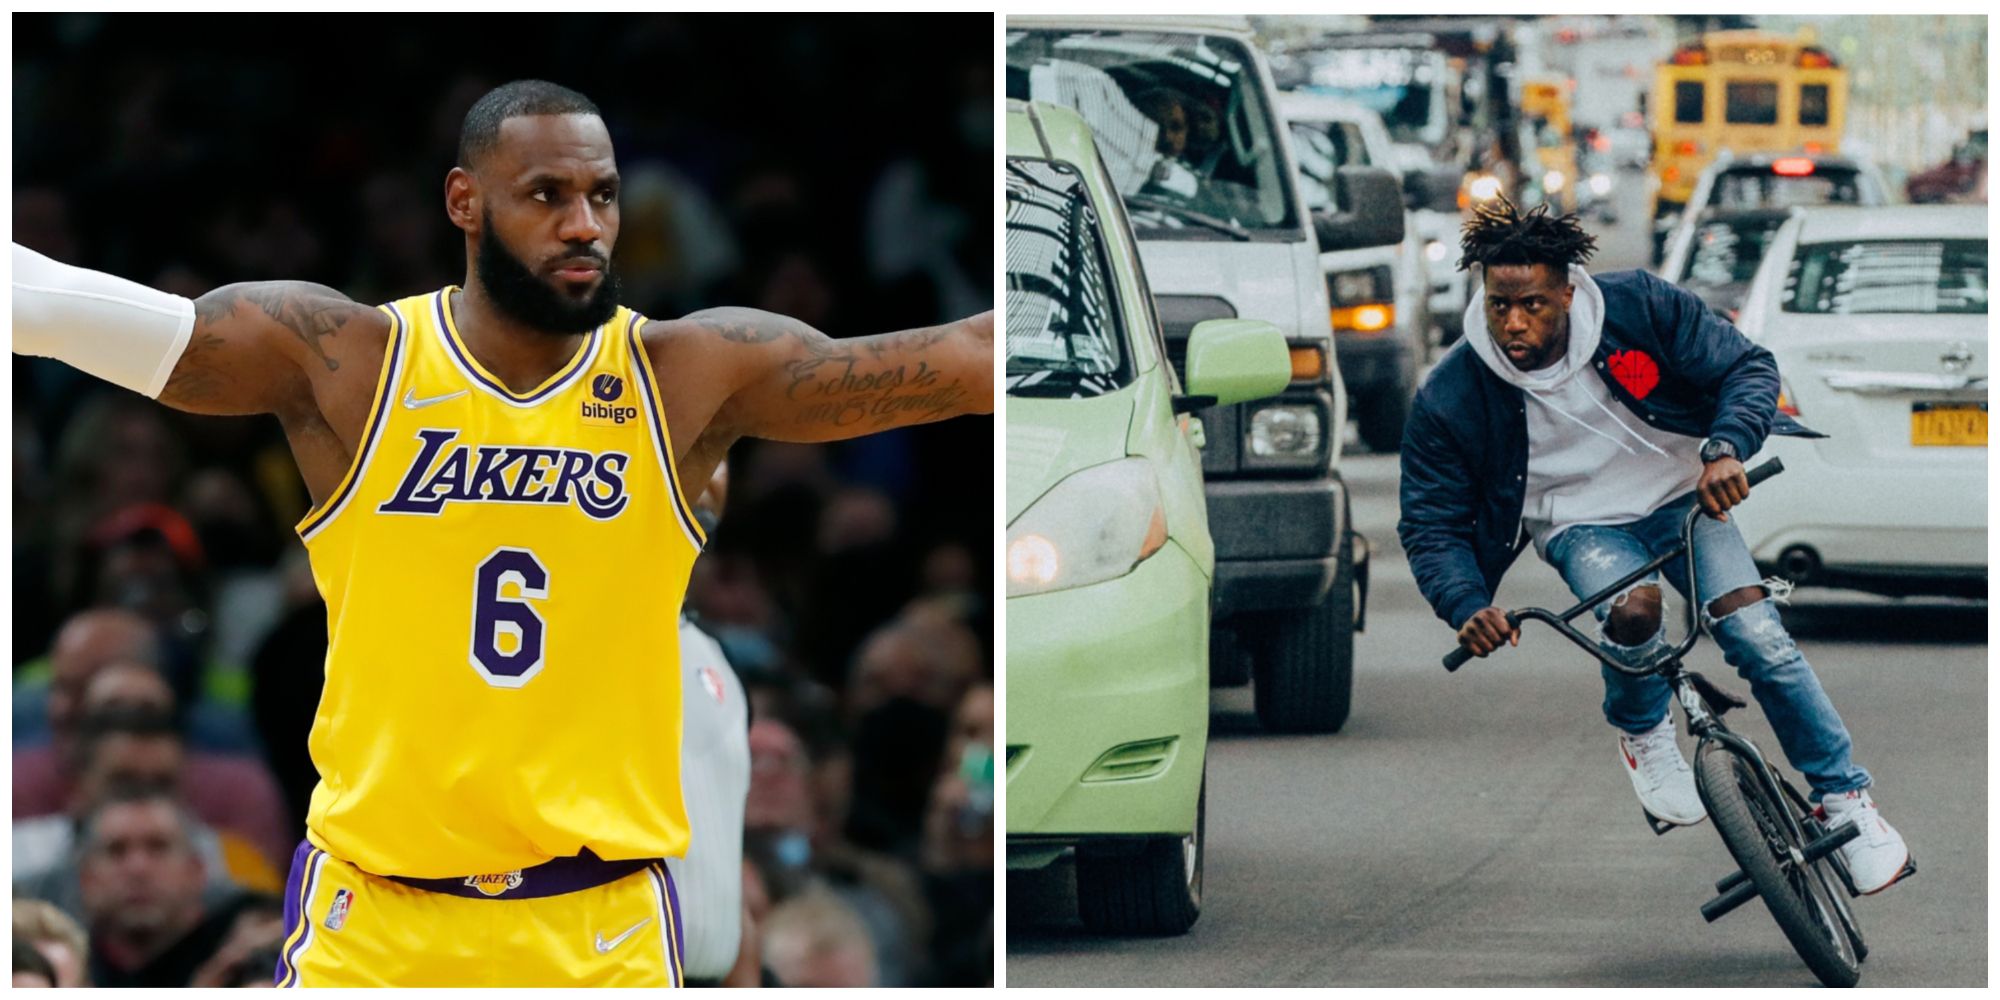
(1703, 723)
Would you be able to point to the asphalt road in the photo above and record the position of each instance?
(1477, 829)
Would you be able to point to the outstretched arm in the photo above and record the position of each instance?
(790, 382)
(246, 348)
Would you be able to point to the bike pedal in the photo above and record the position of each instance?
(1909, 869)
(1660, 826)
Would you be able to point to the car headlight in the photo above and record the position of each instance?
(1553, 181)
(1095, 525)
(1600, 184)
(1354, 288)
(1285, 432)
(1484, 187)
(1436, 251)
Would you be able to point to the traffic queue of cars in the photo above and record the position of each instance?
(1175, 414)
(1877, 315)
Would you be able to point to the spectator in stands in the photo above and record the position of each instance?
(816, 940)
(60, 939)
(142, 892)
(122, 750)
(229, 792)
(793, 826)
(958, 845)
(923, 656)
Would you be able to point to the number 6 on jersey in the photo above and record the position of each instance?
(506, 631)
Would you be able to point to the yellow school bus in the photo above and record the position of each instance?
(1746, 91)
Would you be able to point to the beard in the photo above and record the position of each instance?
(518, 292)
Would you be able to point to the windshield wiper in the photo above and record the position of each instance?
(1186, 214)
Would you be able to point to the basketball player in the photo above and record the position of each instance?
(501, 530)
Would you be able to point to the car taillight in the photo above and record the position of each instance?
(1792, 166)
(1785, 404)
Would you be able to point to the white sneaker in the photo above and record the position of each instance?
(1878, 858)
(1661, 775)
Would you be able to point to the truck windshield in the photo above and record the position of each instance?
(1181, 120)
(1063, 333)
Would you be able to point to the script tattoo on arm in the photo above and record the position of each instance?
(806, 386)
(247, 360)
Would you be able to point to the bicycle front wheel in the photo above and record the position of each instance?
(1751, 820)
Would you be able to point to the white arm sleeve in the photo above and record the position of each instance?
(117, 330)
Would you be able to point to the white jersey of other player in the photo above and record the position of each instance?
(715, 781)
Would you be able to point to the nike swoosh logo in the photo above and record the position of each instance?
(604, 947)
(411, 402)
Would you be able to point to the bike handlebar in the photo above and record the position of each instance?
(1460, 656)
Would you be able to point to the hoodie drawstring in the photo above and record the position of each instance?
(1545, 401)
(1628, 428)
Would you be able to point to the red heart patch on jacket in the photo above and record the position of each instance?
(1637, 372)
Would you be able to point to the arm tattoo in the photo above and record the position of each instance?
(856, 386)
(309, 311)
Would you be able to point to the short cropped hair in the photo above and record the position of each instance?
(125, 793)
(522, 98)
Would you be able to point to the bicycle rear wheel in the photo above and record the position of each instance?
(1751, 820)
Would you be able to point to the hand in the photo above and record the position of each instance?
(1723, 485)
(1486, 630)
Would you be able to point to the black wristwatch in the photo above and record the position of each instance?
(1716, 448)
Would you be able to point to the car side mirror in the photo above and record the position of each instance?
(1235, 360)
(1434, 188)
(1374, 215)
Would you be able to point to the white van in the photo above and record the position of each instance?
(1183, 113)
(1380, 296)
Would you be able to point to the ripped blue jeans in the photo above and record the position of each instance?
(1753, 640)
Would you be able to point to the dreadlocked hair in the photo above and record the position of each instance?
(1503, 234)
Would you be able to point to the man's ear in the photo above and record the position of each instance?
(461, 199)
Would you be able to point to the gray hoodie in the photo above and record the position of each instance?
(1588, 462)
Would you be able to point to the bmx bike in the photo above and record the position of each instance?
(1785, 853)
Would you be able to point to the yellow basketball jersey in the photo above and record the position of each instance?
(503, 576)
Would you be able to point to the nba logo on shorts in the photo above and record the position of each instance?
(336, 915)
(607, 387)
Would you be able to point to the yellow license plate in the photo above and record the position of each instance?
(1959, 424)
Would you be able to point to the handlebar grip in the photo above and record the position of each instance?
(1765, 471)
(1457, 658)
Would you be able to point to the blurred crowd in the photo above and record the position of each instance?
(169, 642)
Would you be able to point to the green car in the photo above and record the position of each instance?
(1108, 558)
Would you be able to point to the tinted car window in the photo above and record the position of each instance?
(1888, 276)
(1064, 337)
(1759, 187)
(1726, 251)
(1181, 121)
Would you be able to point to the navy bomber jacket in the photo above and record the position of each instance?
(1664, 354)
